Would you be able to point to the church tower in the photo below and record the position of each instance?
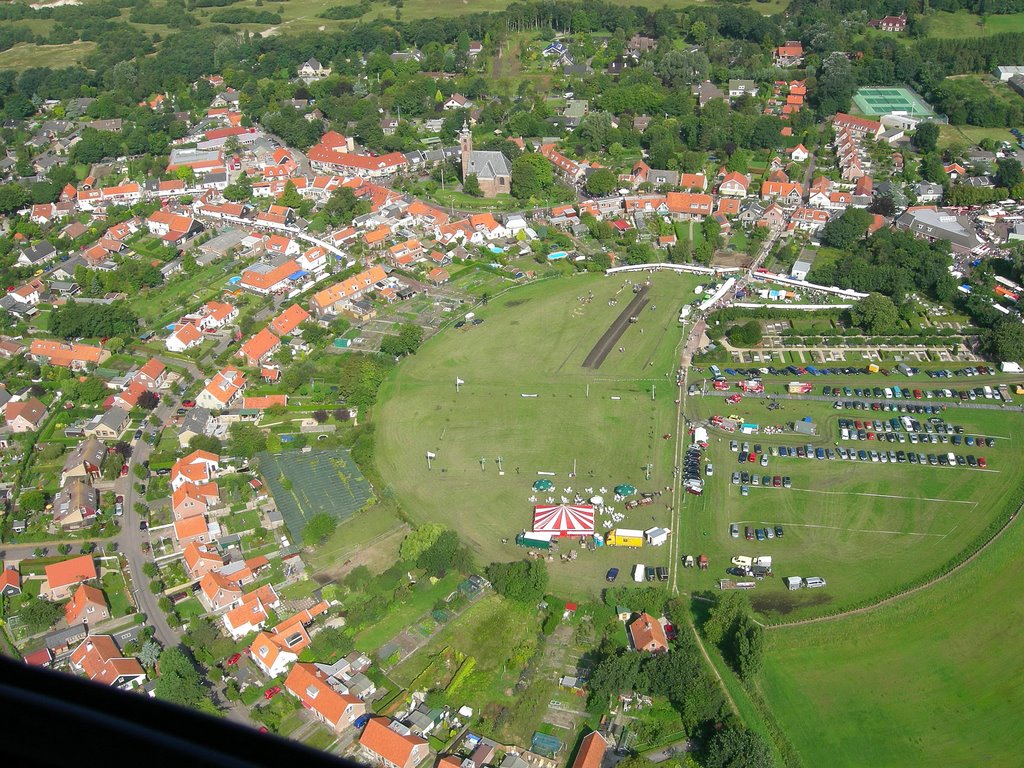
(466, 147)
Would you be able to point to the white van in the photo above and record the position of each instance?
(638, 572)
(813, 582)
(951, 458)
(888, 393)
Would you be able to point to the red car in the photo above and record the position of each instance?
(189, 404)
(234, 659)
(271, 692)
(124, 470)
(752, 457)
(733, 399)
(917, 394)
(981, 462)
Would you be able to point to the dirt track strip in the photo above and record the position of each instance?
(909, 592)
(614, 333)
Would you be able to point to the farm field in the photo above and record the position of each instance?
(883, 688)
(533, 341)
(865, 529)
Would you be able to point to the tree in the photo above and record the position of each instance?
(246, 440)
(531, 175)
(408, 340)
(179, 682)
(147, 400)
(721, 618)
(748, 647)
(845, 230)
(681, 68)
(39, 615)
(601, 182)
(206, 443)
(318, 529)
(523, 581)
(747, 335)
(932, 169)
(13, 197)
(883, 205)
(149, 654)
(320, 416)
(471, 185)
(614, 674)
(1008, 173)
(738, 748)
(1007, 341)
(446, 553)
(875, 314)
(93, 320)
(240, 190)
(32, 501)
(926, 137)
(420, 540)
(290, 197)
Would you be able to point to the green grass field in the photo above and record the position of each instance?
(929, 679)
(864, 528)
(969, 135)
(25, 55)
(534, 341)
(963, 24)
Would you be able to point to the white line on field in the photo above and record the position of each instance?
(886, 496)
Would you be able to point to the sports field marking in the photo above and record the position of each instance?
(886, 496)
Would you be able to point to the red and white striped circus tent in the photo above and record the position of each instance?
(564, 520)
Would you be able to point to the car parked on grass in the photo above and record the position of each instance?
(233, 659)
(271, 692)
(778, 531)
(734, 531)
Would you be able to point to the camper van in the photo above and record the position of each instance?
(638, 572)
(813, 582)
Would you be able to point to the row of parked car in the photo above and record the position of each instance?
(935, 431)
(897, 393)
(768, 532)
(810, 370)
(885, 457)
(768, 481)
(860, 405)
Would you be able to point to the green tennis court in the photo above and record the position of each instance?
(305, 485)
(881, 101)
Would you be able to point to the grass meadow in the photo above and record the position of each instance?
(533, 341)
(865, 528)
(964, 24)
(932, 678)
